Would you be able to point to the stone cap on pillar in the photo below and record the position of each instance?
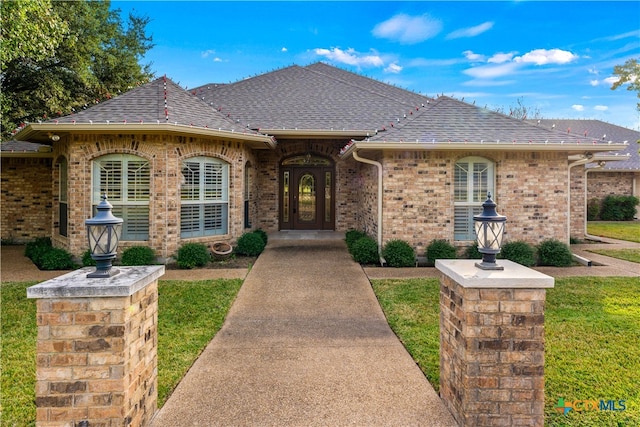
(466, 274)
(75, 284)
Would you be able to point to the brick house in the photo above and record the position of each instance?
(621, 177)
(312, 148)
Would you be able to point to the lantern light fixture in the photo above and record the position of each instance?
(104, 232)
(489, 226)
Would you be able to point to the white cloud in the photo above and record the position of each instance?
(500, 57)
(611, 80)
(408, 29)
(492, 71)
(473, 57)
(578, 107)
(207, 53)
(594, 82)
(601, 108)
(350, 57)
(547, 56)
(470, 31)
(284, 49)
(393, 68)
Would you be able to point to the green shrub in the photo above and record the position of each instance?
(260, 232)
(35, 249)
(87, 261)
(192, 255)
(519, 252)
(440, 249)
(472, 252)
(618, 208)
(138, 255)
(250, 244)
(56, 259)
(399, 253)
(365, 251)
(554, 253)
(593, 209)
(352, 236)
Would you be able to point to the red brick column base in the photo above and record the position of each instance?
(492, 343)
(97, 349)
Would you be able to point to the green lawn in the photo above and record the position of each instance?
(632, 255)
(592, 340)
(592, 328)
(622, 230)
(190, 313)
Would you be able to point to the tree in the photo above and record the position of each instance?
(92, 57)
(520, 111)
(628, 73)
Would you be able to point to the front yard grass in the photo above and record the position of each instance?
(592, 328)
(190, 314)
(621, 230)
(632, 255)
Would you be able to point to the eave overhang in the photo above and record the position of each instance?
(318, 133)
(43, 132)
(478, 146)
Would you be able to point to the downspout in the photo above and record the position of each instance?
(586, 180)
(379, 166)
(586, 159)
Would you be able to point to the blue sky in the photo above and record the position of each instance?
(556, 57)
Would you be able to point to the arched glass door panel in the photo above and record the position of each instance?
(307, 198)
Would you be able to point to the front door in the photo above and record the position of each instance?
(307, 194)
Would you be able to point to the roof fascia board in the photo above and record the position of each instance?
(29, 154)
(425, 146)
(317, 133)
(33, 130)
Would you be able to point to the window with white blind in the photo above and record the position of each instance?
(473, 178)
(204, 194)
(125, 179)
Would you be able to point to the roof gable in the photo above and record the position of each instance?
(317, 97)
(159, 101)
(446, 120)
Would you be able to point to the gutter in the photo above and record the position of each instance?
(47, 131)
(378, 165)
(483, 146)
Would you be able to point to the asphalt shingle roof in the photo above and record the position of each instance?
(448, 120)
(14, 146)
(604, 132)
(160, 101)
(316, 97)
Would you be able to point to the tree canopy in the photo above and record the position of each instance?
(61, 56)
(629, 74)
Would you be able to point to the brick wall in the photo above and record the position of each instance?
(531, 190)
(26, 199)
(602, 184)
(492, 354)
(97, 360)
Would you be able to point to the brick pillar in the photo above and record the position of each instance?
(492, 343)
(97, 348)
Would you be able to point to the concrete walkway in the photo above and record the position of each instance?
(304, 344)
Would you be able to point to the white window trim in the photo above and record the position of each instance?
(473, 204)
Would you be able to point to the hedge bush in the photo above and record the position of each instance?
(138, 255)
(87, 260)
(618, 208)
(554, 253)
(399, 253)
(520, 252)
(472, 252)
(250, 244)
(352, 236)
(440, 249)
(192, 255)
(365, 251)
(593, 210)
(263, 234)
(42, 253)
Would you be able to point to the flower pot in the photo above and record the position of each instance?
(221, 250)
